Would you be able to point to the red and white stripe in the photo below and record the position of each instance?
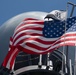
(29, 38)
(67, 39)
(10, 57)
(10, 43)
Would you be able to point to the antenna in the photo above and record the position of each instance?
(73, 6)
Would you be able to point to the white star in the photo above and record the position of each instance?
(51, 35)
(57, 35)
(60, 28)
(54, 33)
(48, 28)
(63, 25)
(69, 25)
(60, 23)
(57, 26)
(57, 31)
(45, 30)
(73, 29)
(63, 30)
(73, 23)
(69, 21)
(74, 26)
(51, 25)
(48, 33)
(51, 31)
(54, 28)
(45, 34)
(60, 32)
(73, 19)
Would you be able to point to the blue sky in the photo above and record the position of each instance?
(11, 8)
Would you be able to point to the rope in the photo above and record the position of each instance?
(27, 60)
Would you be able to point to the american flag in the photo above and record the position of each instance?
(28, 37)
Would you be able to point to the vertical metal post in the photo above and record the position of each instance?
(72, 11)
(40, 61)
(48, 62)
(75, 62)
(70, 65)
(67, 54)
(73, 6)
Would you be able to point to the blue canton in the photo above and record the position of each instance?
(56, 28)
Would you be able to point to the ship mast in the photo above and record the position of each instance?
(73, 6)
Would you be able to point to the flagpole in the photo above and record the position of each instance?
(65, 62)
(67, 59)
